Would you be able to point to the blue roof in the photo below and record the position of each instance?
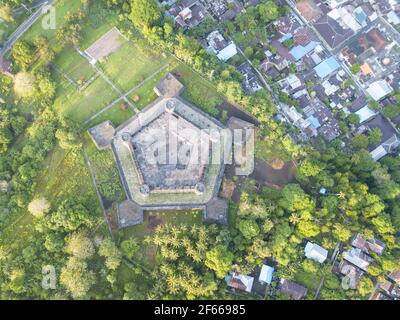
(361, 17)
(266, 274)
(314, 122)
(285, 37)
(299, 52)
(326, 67)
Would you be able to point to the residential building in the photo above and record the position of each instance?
(219, 46)
(266, 274)
(239, 281)
(292, 289)
(358, 258)
(315, 252)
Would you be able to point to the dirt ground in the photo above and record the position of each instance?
(264, 175)
(154, 222)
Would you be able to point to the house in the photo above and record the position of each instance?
(219, 46)
(358, 258)
(379, 89)
(393, 18)
(327, 67)
(299, 51)
(390, 139)
(352, 273)
(292, 289)
(187, 13)
(309, 10)
(250, 83)
(366, 246)
(266, 274)
(315, 252)
(5, 66)
(224, 9)
(239, 281)
(333, 33)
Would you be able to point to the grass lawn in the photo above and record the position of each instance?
(62, 7)
(146, 92)
(115, 115)
(74, 65)
(198, 91)
(132, 64)
(80, 105)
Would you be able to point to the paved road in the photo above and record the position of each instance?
(24, 27)
(29, 6)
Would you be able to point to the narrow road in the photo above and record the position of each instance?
(29, 6)
(24, 27)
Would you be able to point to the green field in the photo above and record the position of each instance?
(74, 65)
(132, 64)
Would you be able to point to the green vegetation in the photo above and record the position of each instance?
(49, 210)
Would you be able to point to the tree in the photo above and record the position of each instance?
(130, 247)
(359, 141)
(365, 286)
(46, 53)
(76, 277)
(375, 136)
(24, 85)
(80, 246)
(39, 207)
(109, 251)
(248, 228)
(23, 54)
(6, 13)
(268, 11)
(145, 13)
(220, 260)
(353, 118)
(355, 68)
(70, 215)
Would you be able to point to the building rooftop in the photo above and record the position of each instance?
(333, 33)
(292, 289)
(129, 214)
(102, 134)
(315, 252)
(327, 67)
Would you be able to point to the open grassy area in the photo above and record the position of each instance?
(146, 92)
(198, 91)
(132, 64)
(114, 114)
(62, 7)
(74, 65)
(80, 105)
